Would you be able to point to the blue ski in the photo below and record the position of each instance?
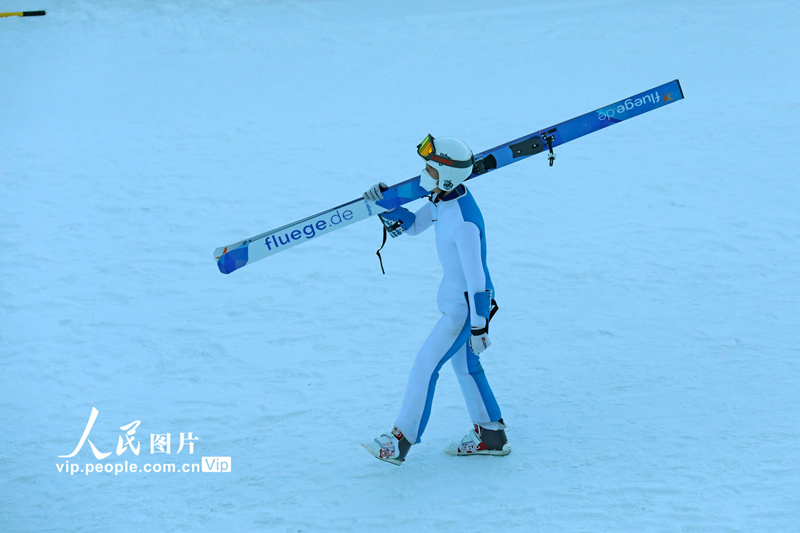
(236, 255)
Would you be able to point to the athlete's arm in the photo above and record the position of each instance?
(423, 219)
(468, 242)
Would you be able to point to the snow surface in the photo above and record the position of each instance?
(646, 351)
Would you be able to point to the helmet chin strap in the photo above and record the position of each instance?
(443, 195)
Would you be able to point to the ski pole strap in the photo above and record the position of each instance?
(378, 253)
(486, 306)
(492, 310)
(395, 223)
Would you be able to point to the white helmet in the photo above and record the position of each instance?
(450, 157)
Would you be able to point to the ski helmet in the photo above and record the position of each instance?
(450, 157)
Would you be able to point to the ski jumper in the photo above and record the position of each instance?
(461, 244)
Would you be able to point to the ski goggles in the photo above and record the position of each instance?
(427, 151)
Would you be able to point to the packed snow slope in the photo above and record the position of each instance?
(646, 352)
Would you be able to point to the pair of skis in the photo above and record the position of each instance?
(236, 255)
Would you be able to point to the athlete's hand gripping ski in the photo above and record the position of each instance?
(375, 192)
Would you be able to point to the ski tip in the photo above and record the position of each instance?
(232, 260)
(680, 89)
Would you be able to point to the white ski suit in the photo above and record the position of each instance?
(461, 244)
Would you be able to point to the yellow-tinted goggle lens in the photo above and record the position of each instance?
(425, 148)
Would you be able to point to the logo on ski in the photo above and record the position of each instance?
(309, 231)
(623, 107)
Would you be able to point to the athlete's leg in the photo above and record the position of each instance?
(448, 336)
(478, 395)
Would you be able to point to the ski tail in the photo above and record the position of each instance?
(228, 261)
(235, 256)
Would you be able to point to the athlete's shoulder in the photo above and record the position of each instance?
(469, 208)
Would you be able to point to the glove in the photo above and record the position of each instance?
(479, 340)
(397, 220)
(375, 192)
